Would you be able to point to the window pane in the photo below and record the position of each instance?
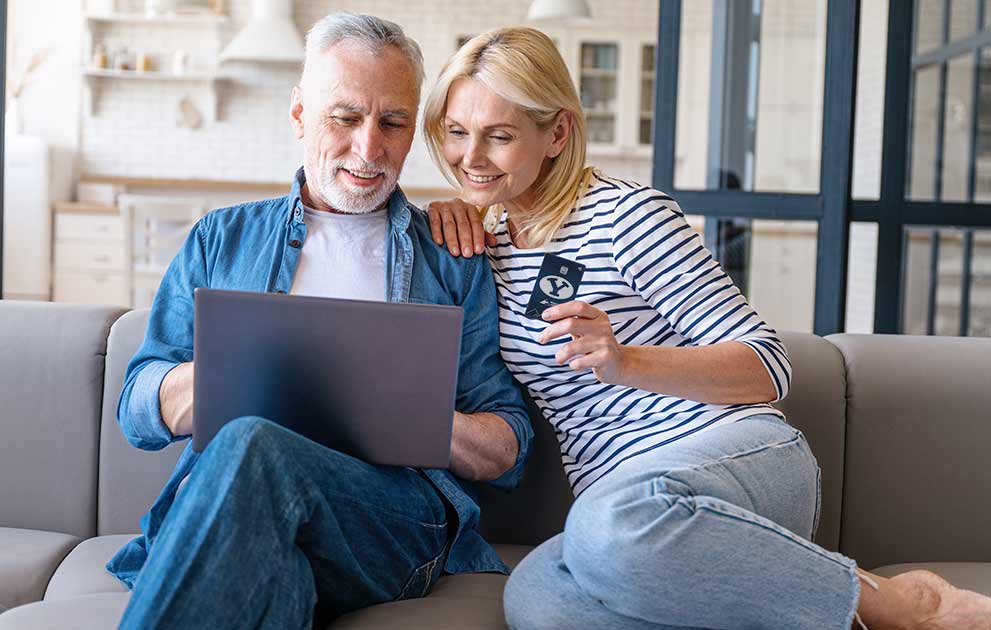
(868, 119)
(928, 25)
(599, 65)
(963, 19)
(934, 281)
(645, 132)
(779, 265)
(750, 95)
(957, 119)
(923, 134)
(982, 185)
(694, 67)
(789, 110)
(861, 270)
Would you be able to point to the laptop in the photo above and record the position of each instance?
(375, 380)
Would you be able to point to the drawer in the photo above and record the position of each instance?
(108, 255)
(77, 227)
(91, 287)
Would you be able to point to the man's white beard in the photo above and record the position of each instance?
(352, 199)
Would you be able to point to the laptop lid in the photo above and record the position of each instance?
(376, 380)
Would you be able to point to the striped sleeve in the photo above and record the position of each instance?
(662, 258)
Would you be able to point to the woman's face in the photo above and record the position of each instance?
(496, 149)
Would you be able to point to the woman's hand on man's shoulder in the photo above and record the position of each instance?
(458, 225)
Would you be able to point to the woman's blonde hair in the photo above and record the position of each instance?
(523, 66)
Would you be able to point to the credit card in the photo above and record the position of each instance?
(557, 283)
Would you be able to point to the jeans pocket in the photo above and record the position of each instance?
(422, 578)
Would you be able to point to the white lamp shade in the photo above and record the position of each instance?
(565, 10)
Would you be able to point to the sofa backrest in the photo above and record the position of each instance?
(130, 478)
(51, 391)
(537, 509)
(918, 456)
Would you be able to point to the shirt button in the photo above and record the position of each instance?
(295, 243)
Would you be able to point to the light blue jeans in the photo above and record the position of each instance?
(713, 531)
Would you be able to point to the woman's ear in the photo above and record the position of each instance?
(562, 133)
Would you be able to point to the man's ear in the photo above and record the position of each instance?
(296, 112)
(562, 132)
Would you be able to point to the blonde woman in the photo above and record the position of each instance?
(695, 500)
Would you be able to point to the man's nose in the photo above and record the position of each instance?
(367, 142)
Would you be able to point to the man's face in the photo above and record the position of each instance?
(355, 112)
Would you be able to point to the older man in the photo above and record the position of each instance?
(271, 529)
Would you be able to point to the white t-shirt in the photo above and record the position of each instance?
(343, 256)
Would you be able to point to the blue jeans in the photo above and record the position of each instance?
(711, 532)
(273, 530)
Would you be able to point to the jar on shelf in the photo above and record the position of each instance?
(100, 59)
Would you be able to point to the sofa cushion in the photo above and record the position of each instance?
(973, 576)
(83, 572)
(52, 376)
(28, 558)
(94, 612)
(917, 474)
(130, 478)
(467, 600)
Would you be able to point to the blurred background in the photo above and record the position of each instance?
(125, 120)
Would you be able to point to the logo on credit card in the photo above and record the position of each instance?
(557, 287)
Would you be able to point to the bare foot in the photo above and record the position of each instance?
(941, 606)
(928, 602)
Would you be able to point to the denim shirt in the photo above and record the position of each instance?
(256, 247)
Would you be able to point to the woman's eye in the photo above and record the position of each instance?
(501, 138)
(456, 132)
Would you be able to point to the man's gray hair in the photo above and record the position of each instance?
(366, 30)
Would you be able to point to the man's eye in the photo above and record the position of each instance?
(346, 120)
(393, 125)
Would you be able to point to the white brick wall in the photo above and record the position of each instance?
(134, 133)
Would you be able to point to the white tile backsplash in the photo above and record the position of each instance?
(134, 132)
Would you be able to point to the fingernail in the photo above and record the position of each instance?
(466, 251)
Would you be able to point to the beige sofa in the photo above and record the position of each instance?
(901, 427)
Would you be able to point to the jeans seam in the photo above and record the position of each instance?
(720, 460)
(780, 531)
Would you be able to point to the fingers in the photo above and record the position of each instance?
(574, 326)
(477, 232)
(575, 348)
(450, 228)
(465, 239)
(491, 240)
(436, 231)
(575, 308)
(590, 361)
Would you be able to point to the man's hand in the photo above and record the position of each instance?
(483, 446)
(175, 398)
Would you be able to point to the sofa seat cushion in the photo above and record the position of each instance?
(466, 600)
(96, 612)
(83, 572)
(28, 558)
(973, 576)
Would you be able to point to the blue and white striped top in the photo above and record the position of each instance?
(647, 269)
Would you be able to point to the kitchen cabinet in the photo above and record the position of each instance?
(89, 259)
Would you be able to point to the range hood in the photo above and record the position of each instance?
(270, 36)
